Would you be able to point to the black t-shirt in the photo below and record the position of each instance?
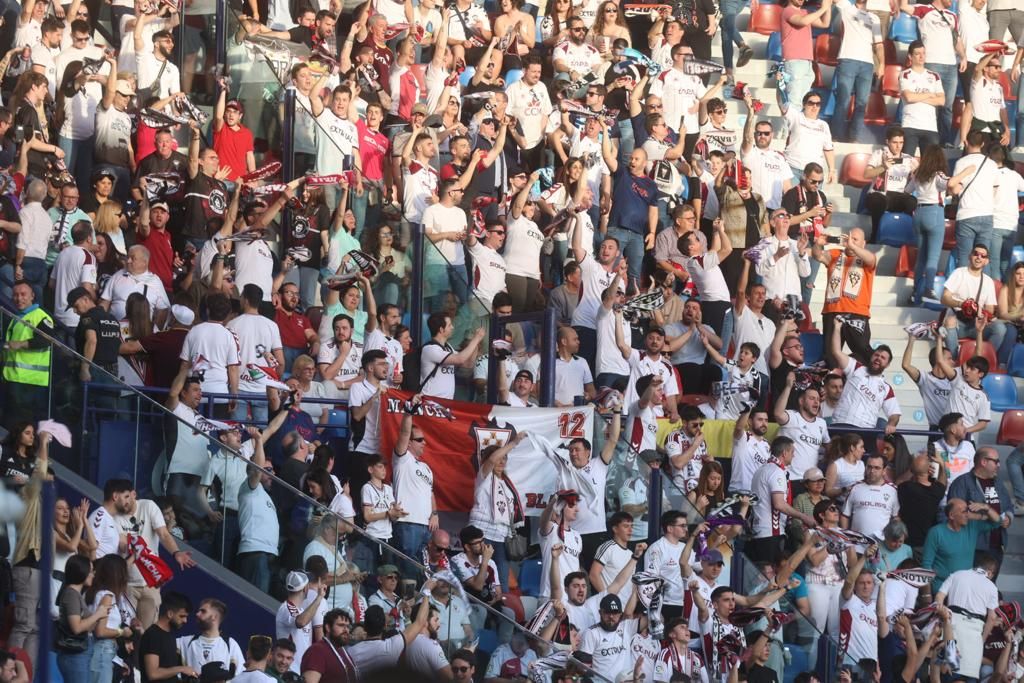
(28, 118)
(761, 674)
(919, 509)
(778, 381)
(306, 230)
(156, 641)
(302, 34)
(798, 200)
(154, 163)
(108, 336)
(14, 469)
(206, 198)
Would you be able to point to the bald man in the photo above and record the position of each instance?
(435, 553)
(851, 274)
(136, 277)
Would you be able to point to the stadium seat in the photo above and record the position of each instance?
(950, 262)
(851, 172)
(814, 346)
(938, 284)
(488, 641)
(826, 49)
(1011, 428)
(988, 352)
(903, 28)
(949, 238)
(896, 229)
(1001, 391)
(1016, 255)
(875, 113)
(891, 80)
(529, 577)
(807, 324)
(1016, 364)
(774, 53)
(1009, 92)
(765, 19)
(905, 261)
(315, 315)
(889, 50)
(819, 80)
(958, 112)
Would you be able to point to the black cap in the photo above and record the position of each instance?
(76, 294)
(611, 603)
(524, 373)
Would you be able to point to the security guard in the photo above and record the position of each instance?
(26, 369)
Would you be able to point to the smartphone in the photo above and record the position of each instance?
(833, 239)
(408, 589)
(19, 134)
(897, 162)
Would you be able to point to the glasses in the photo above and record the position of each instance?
(577, 28)
(813, 181)
(813, 103)
(995, 460)
(793, 346)
(780, 215)
(831, 508)
(591, 93)
(421, 439)
(384, 234)
(762, 132)
(978, 254)
(497, 232)
(614, 10)
(460, 669)
(720, 111)
(79, 39)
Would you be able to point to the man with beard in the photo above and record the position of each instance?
(556, 532)
(772, 487)
(770, 175)
(298, 336)
(210, 645)
(851, 276)
(591, 521)
(155, 69)
(633, 221)
(257, 659)
(750, 450)
(327, 660)
(158, 649)
(872, 503)
(425, 655)
(597, 275)
(608, 641)
(686, 450)
(654, 360)
(384, 337)
(581, 610)
(166, 159)
(804, 426)
(866, 392)
(206, 195)
(375, 652)
(691, 358)
(575, 57)
(862, 617)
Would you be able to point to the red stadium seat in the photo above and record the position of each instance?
(988, 352)
(958, 112)
(905, 261)
(891, 80)
(949, 239)
(852, 170)
(889, 48)
(875, 114)
(819, 81)
(765, 19)
(826, 49)
(1011, 428)
(1009, 92)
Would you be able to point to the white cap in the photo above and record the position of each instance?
(183, 314)
(296, 581)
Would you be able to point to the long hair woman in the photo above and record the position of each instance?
(109, 590)
(137, 323)
(609, 24)
(76, 619)
(109, 221)
(1010, 300)
(928, 184)
(555, 199)
(18, 454)
(72, 535)
(847, 469)
(497, 509)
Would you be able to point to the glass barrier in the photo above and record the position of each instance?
(251, 509)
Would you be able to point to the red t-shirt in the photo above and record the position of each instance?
(232, 146)
(161, 256)
(373, 150)
(383, 58)
(293, 328)
(333, 665)
(797, 43)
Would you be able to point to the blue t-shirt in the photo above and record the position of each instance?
(631, 197)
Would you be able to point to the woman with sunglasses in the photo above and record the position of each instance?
(814, 493)
(554, 27)
(609, 24)
(810, 138)
(109, 221)
(826, 572)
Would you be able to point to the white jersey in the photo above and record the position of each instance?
(920, 115)
(198, 650)
(359, 394)
(769, 175)
(425, 655)
(583, 58)
(662, 558)
(123, 284)
(571, 378)
(808, 438)
(858, 630)
(937, 28)
(972, 403)
(378, 500)
(870, 507)
(771, 478)
(596, 278)
(935, 396)
(864, 396)
(862, 30)
(211, 348)
(74, 267)
(568, 560)
(680, 93)
(641, 363)
(613, 558)
(611, 649)
(488, 272)
(590, 517)
(414, 487)
(442, 382)
(896, 177)
(712, 630)
(685, 478)
(673, 660)
(257, 338)
(531, 105)
(809, 139)
(749, 454)
(107, 532)
(586, 615)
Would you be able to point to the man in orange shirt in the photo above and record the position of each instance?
(232, 141)
(851, 275)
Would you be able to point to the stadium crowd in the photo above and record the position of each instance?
(471, 162)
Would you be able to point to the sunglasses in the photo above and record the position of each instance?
(780, 215)
(497, 232)
(577, 28)
(813, 103)
(812, 181)
(762, 132)
(720, 111)
(979, 254)
(611, 10)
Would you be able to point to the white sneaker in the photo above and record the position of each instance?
(1018, 508)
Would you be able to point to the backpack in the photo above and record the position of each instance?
(411, 369)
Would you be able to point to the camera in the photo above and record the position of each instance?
(833, 239)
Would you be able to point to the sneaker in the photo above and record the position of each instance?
(746, 52)
(1018, 508)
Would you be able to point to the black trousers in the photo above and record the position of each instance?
(859, 341)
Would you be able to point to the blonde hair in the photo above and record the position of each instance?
(301, 362)
(107, 219)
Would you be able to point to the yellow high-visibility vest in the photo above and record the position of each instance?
(27, 366)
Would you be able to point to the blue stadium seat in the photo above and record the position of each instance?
(774, 48)
(862, 202)
(814, 346)
(1002, 391)
(1017, 254)
(938, 285)
(896, 229)
(488, 641)
(1016, 365)
(828, 99)
(903, 28)
(951, 263)
(529, 577)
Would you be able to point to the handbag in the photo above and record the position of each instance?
(516, 546)
(66, 641)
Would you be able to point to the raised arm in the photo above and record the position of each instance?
(835, 345)
(908, 357)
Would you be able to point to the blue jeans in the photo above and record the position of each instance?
(410, 539)
(255, 568)
(853, 77)
(631, 245)
(807, 282)
(949, 73)
(259, 411)
(801, 78)
(1000, 251)
(930, 225)
(75, 667)
(364, 213)
(1015, 469)
(971, 231)
(78, 159)
(501, 561)
(995, 333)
(101, 663)
(626, 142)
(730, 36)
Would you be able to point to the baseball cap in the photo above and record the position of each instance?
(387, 570)
(76, 294)
(160, 205)
(611, 603)
(234, 104)
(813, 474)
(102, 172)
(183, 314)
(656, 328)
(296, 581)
(525, 373)
(712, 557)
(124, 87)
(419, 108)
